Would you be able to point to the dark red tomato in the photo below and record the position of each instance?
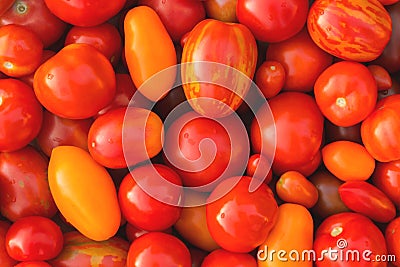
(299, 126)
(5, 5)
(175, 98)
(395, 89)
(381, 76)
(197, 256)
(33, 264)
(386, 177)
(272, 21)
(346, 232)
(270, 78)
(34, 238)
(239, 221)
(21, 50)
(224, 258)
(132, 232)
(178, 16)
(28, 79)
(149, 212)
(5, 259)
(158, 249)
(302, 59)
(21, 115)
(257, 167)
(35, 16)
(56, 131)
(392, 235)
(24, 185)
(366, 199)
(85, 85)
(85, 13)
(336, 133)
(105, 37)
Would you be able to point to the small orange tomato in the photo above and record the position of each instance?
(294, 187)
(84, 192)
(348, 160)
(148, 50)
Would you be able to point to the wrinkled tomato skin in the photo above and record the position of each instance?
(386, 177)
(25, 189)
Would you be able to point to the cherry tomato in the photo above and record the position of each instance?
(20, 50)
(294, 187)
(240, 221)
(392, 235)
(224, 258)
(85, 85)
(223, 10)
(366, 199)
(85, 13)
(348, 161)
(33, 264)
(270, 78)
(5, 5)
(272, 21)
(158, 249)
(257, 167)
(34, 238)
(5, 259)
(35, 16)
(21, 115)
(78, 184)
(381, 76)
(386, 177)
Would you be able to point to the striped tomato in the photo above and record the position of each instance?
(354, 30)
(230, 44)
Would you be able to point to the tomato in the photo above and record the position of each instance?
(20, 50)
(349, 239)
(224, 258)
(78, 184)
(381, 76)
(337, 133)
(368, 200)
(328, 23)
(28, 79)
(272, 21)
(21, 115)
(145, 210)
(35, 16)
(24, 185)
(85, 13)
(81, 251)
(348, 161)
(144, 54)
(386, 177)
(223, 10)
(174, 101)
(5, 259)
(192, 224)
(158, 249)
(105, 37)
(239, 221)
(293, 231)
(5, 5)
(346, 99)
(388, 2)
(33, 264)
(85, 85)
(299, 127)
(257, 167)
(34, 238)
(294, 187)
(270, 78)
(231, 44)
(392, 235)
(178, 16)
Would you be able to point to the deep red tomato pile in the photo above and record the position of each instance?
(199, 133)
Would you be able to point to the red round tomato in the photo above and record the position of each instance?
(34, 238)
(272, 21)
(270, 78)
(21, 115)
(5, 259)
(224, 258)
(386, 177)
(85, 85)
(257, 167)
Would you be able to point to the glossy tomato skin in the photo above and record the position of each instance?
(5, 259)
(25, 189)
(272, 21)
(386, 177)
(33, 264)
(240, 221)
(328, 23)
(270, 78)
(224, 258)
(392, 235)
(158, 249)
(85, 85)
(35, 16)
(381, 76)
(34, 238)
(257, 166)
(85, 12)
(355, 232)
(239, 51)
(79, 250)
(21, 115)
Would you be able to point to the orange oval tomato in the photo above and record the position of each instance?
(348, 160)
(231, 44)
(148, 50)
(84, 192)
(293, 231)
(294, 187)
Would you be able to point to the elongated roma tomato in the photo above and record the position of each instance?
(293, 231)
(231, 44)
(148, 50)
(84, 192)
(353, 30)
